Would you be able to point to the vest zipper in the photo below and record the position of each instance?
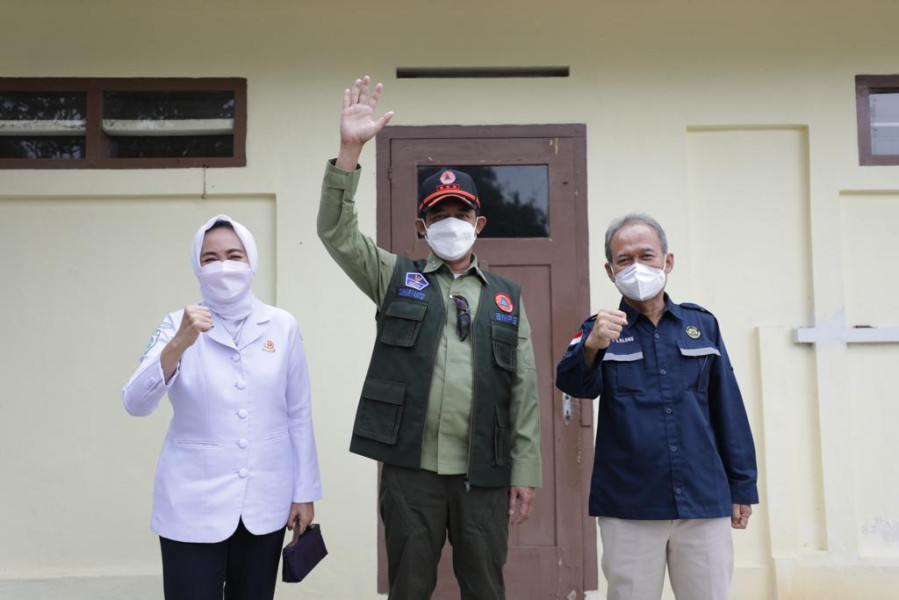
(474, 393)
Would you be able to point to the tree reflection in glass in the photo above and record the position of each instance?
(514, 198)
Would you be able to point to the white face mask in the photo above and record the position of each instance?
(640, 282)
(225, 282)
(450, 238)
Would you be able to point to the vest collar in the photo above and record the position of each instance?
(434, 263)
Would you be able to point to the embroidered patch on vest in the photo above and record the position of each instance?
(504, 303)
(416, 281)
(407, 293)
(506, 318)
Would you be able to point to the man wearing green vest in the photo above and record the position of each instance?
(449, 404)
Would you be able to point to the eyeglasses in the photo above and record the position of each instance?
(463, 317)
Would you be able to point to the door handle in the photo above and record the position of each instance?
(568, 408)
(572, 405)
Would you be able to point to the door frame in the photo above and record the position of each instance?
(578, 133)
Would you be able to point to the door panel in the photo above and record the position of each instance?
(549, 553)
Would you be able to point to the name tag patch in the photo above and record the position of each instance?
(629, 338)
(506, 318)
(416, 281)
(407, 293)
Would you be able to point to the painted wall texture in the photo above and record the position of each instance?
(732, 122)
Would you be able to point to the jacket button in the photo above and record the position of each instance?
(243, 443)
(242, 413)
(243, 473)
(676, 490)
(673, 448)
(240, 384)
(668, 410)
(235, 357)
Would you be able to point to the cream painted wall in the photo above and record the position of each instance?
(731, 122)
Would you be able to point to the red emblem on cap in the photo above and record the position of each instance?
(447, 177)
(504, 303)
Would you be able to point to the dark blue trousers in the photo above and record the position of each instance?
(242, 567)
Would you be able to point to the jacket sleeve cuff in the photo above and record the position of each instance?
(746, 493)
(340, 184)
(527, 474)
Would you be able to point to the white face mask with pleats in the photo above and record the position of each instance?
(450, 238)
(225, 282)
(640, 282)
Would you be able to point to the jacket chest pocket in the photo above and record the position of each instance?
(696, 365)
(505, 347)
(401, 323)
(380, 410)
(624, 371)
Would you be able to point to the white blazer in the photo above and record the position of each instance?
(240, 444)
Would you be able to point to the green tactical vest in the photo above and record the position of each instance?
(390, 419)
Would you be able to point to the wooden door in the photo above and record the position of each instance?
(532, 183)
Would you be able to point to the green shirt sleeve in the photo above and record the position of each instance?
(524, 411)
(369, 266)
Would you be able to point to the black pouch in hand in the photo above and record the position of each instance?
(300, 557)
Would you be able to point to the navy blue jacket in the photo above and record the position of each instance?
(672, 439)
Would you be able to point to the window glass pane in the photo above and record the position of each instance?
(203, 146)
(42, 106)
(41, 147)
(157, 106)
(884, 123)
(42, 125)
(514, 198)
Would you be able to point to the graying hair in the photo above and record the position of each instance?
(616, 225)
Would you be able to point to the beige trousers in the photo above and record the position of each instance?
(699, 554)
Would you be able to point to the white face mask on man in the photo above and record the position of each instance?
(225, 282)
(450, 238)
(640, 282)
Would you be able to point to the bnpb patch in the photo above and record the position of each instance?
(447, 177)
(504, 303)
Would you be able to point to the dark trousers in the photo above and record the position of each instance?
(419, 508)
(244, 567)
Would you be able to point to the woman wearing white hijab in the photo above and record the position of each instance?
(238, 462)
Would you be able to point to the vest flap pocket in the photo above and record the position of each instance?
(505, 346)
(406, 310)
(401, 322)
(380, 410)
(700, 351)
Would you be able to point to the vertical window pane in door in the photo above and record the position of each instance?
(884, 123)
(514, 198)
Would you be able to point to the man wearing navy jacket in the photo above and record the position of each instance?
(675, 465)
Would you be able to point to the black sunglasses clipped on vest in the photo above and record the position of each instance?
(463, 317)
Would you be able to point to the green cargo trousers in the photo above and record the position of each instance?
(419, 508)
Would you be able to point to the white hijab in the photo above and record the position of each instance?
(236, 310)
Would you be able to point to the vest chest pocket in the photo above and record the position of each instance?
(505, 347)
(380, 410)
(401, 323)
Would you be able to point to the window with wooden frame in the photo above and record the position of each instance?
(877, 105)
(112, 123)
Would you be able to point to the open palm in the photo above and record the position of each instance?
(357, 122)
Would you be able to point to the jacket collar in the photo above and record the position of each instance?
(252, 328)
(633, 314)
